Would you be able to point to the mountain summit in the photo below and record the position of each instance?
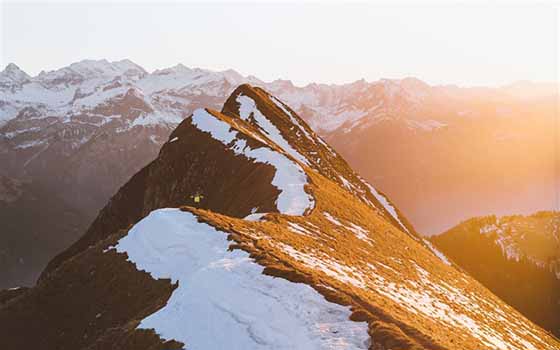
(13, 75)
(248, 231)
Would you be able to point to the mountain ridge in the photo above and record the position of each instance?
(340, 245)
(85, 134)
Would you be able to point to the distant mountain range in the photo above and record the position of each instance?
(516, 257)
(78, 133)
(248, 231)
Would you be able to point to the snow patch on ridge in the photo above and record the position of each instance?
(504, 241)
(439, 254)
(157, 118)
(289, 178)
(385, 203)
(358, 231)
(247, 107)
(223, 299)
(332, 219)
(429, 298)
(294, 120)
(254, 216)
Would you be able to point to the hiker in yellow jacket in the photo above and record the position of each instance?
(197, 197)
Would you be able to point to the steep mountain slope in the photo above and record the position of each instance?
(287, 249)
(24, 245)
(517, 258)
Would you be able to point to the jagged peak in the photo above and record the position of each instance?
(246, 100)
(91, 69)
(283, 83)
(179, 68)
(414, 84)
(232, 73)
(246, 89)
(133, 91)
(12, 67)
(129, 66)
(13, 73)
(359, 82)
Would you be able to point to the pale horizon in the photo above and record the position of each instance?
(438, 45)
(288, 79)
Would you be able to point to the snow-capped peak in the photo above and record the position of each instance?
(12, 73)
(129, 68)
(104, 68)
(90, 69)
(282, 84)
(233, 76)
(176, 69)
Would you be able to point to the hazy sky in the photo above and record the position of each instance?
(320, 42)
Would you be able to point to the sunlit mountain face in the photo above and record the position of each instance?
(516, 257)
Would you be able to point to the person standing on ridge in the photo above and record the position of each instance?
(197, 197)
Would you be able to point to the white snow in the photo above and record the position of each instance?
(255, 216)
(332, 219)
(56, 91)
(12, 134)
(439, 254)
(345, 183)
(506, 242)
(360, 232)
(223, 301)
(13, 74)
(327, 265)
(293, 119)
(98, 97)
(289, 178)
(385, 203)
(154, 140)
(488, 229)
(333, 153)
(300, 230)
(509, 247)
(428, 298)
(33, 143)
(157, 118)
(339, 118)
(248, 107)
